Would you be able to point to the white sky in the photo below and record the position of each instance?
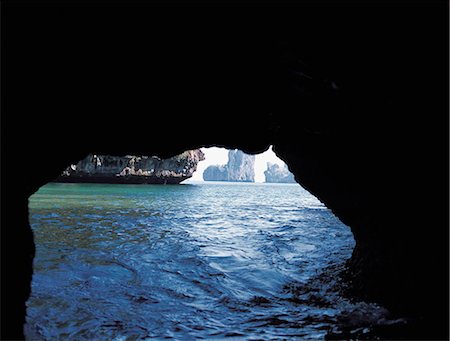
(219, 156)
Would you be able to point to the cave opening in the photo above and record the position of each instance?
(200, 259)
(355, 107)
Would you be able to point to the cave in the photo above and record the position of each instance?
(352, 96)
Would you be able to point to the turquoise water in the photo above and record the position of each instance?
(201, 260)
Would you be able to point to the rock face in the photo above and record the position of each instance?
(240, 167)
(216, 173)
(275, 173)
(133, 169)
(357, 110)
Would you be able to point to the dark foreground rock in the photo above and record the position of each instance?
(352, 96)
(131, 169)
(240, 167)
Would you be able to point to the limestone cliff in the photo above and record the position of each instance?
(355, 108)
(133, 169)
(276, 173)
(216, 173)
(240, 167)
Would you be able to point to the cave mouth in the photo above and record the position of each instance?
(265, 167)
(204, 260)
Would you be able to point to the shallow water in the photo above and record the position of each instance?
(205, 260)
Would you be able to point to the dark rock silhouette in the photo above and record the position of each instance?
(276, 173)
(133, 169)
(240, 168)
(352, 96)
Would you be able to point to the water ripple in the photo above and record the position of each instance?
(125, 262)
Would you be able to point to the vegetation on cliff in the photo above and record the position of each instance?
(133, 169)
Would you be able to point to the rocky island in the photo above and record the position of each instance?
(276, 173)
(240, 167)
(131, 169)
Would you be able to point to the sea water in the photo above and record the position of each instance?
(189, 261)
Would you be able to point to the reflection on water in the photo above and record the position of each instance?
(190, 261)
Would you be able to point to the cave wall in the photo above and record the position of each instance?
(351, 96)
